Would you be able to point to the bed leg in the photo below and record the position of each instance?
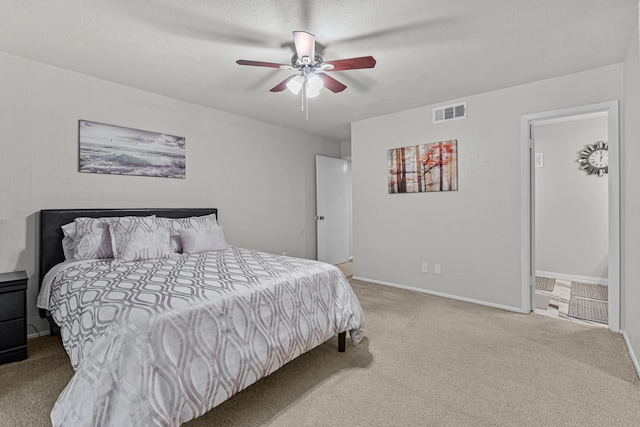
(53, 328)
(342, 340)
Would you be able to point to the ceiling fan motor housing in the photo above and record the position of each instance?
(298, 63)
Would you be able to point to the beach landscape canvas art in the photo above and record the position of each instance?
(423, 168)
(110, 149)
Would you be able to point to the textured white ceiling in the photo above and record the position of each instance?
(427, 51)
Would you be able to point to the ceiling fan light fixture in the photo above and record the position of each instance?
(314, 84)
(311, 94)
(295, 84)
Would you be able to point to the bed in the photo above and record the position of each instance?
(162, 339)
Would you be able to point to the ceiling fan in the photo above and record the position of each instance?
(311, 68)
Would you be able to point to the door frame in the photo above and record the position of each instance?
(528, 204)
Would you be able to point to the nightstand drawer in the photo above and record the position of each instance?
(11, 305)
(13, 333)
(13, 355)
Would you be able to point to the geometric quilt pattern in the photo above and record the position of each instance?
(160, 342)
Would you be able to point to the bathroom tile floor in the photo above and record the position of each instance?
(558, 305)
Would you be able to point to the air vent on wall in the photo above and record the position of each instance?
(450, 112)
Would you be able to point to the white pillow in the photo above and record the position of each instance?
(139, 239)
(176, 224)
(92, 238)
(196, 240)
(69, 231)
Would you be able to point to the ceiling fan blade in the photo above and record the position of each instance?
(258, 63)
(305, 45)
(283, 84)
(330, 83)
(351, 63)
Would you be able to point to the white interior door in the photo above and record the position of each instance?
(332, 209)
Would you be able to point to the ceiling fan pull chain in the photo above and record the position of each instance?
(306, 99)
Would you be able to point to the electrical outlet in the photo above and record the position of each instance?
(425, 267)
(284, 253)
(436, 268)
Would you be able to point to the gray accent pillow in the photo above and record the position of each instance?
(202, 239)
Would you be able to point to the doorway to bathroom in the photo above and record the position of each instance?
(570, 216)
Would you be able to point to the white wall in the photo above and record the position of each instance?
(571, 207)
(345, 149)
(260, 176)
(345, 153)
(474, 233)
(630, 195)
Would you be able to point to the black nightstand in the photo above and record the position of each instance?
(13, 316)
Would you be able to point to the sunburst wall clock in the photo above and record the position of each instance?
(594, 159)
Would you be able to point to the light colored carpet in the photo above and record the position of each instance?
(590, 290)
(425, 361)
(589, 309)
(545, 283)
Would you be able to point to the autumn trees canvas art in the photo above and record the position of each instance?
(422, 168)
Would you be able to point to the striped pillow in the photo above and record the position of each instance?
(139, 239)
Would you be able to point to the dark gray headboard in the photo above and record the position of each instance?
(52, 219)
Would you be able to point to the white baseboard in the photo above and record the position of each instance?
(441, 294)
(38, 334)
(572, 277)
(634, 359)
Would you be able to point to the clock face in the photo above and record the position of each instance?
(594, 159)
(599, 158)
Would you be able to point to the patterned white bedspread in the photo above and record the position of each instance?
(161, 342)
